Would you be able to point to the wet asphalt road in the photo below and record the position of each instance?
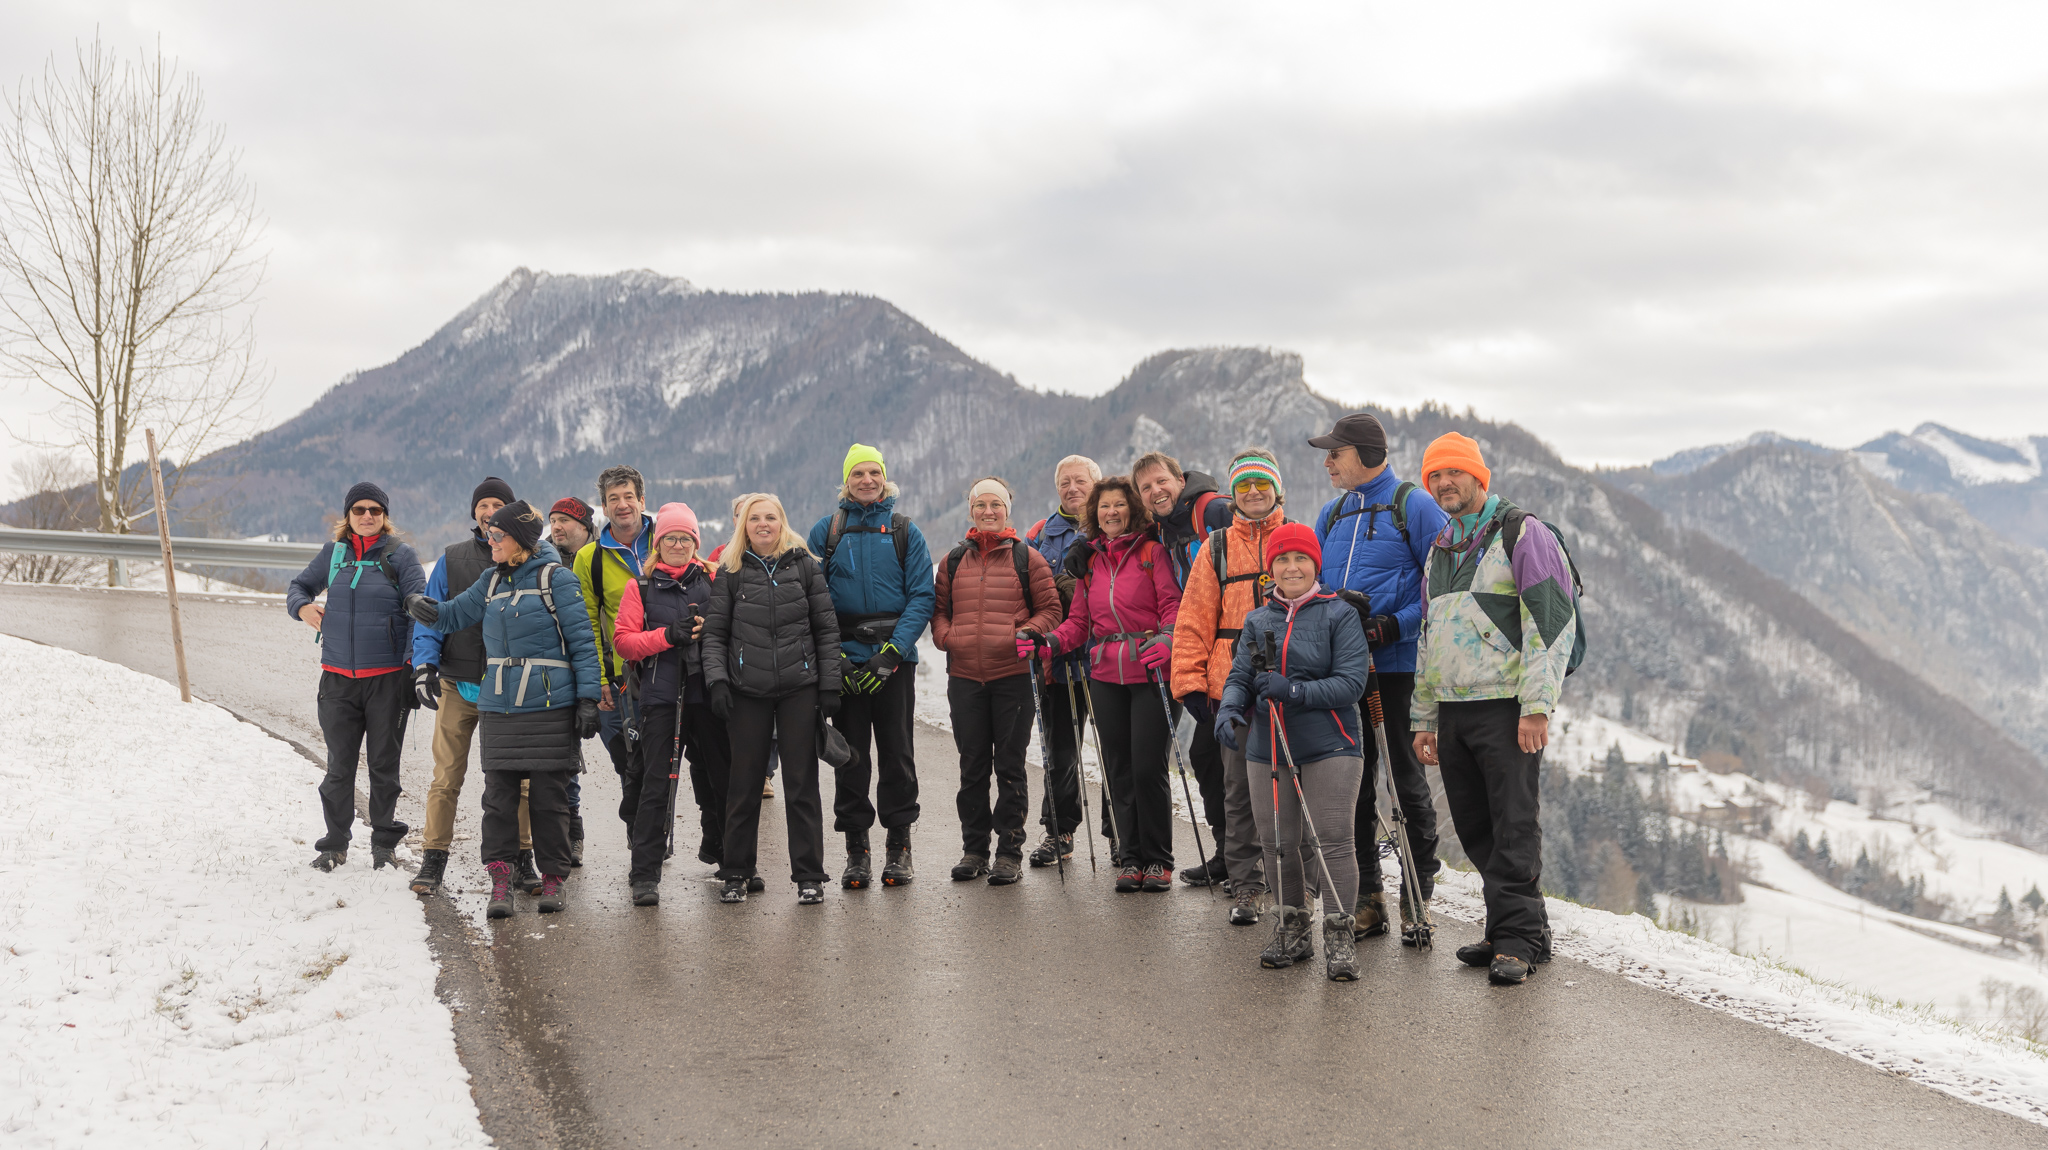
(950, 1014)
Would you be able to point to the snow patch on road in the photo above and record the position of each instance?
(170, 968)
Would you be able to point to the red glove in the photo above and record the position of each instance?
(1157, 653)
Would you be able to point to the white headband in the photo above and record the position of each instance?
(989, 487)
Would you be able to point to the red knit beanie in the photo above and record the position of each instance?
(1293, 537)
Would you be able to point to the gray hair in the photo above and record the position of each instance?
(619, 473)
(1094, 468)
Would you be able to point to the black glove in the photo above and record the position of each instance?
(1228, 724)
(426, 686)
(678, 632)
(721, 700)
(586, 718)
(885, 662)
(1197, 703)
(422, 608)
(1075, 565)
(828, 703)
(1382, 631)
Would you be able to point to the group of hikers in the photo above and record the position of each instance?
(1399, 627)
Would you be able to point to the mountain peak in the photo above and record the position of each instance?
(531, 301)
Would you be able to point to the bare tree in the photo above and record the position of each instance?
(54, 503)
(128, 266)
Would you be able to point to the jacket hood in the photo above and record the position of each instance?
(988, 539)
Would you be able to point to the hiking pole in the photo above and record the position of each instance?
(675, 756)
(1262, 660)
(1045, 762)
(1181, 762)
(1108, 795)
(1080, 790)
(1308, 826)
(1404, 851)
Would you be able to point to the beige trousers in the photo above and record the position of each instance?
(454, 728)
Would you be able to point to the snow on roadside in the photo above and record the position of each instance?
(1975, 1064)
(171, 968)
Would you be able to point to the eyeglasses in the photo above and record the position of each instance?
(1254, 484)
(366, 509)
(498, 536)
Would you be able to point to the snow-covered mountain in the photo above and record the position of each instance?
(1693, 458)
(2000, 481)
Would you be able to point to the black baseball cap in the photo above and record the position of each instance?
(1361, 431)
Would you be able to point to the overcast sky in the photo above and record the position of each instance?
(1631, 227)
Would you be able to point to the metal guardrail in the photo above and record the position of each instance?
(147, 549)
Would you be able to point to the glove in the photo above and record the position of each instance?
(1075, 565)
(828, 704)
(586, 718)
(1382, 631)
(426, 686)
(884, 663)
(1027, 644)
(422, 608)
(721, 700)
(678, 631)
(1197, 703)
(1157, 652)
(1276, 687)
(1227, 725)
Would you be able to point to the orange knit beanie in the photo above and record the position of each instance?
(1453, 450)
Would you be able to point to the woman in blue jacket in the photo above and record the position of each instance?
(365, 648)
(1305, 653)
(539, 696)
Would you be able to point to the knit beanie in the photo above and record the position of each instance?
(1253, 466)
(521, 522)
(676, 517)
(575, 509)
(1293, 537)
(1453, 450)
(861, 453)
(491, 488)
(370, 491)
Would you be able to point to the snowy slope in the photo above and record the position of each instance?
(172, 970)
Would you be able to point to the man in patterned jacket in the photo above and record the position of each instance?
(1496, 643)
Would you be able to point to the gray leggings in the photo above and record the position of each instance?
(1331, 786)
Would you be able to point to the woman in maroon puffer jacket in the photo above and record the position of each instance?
(981, 607)
(1125, 602)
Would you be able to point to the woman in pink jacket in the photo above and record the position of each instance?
(1125, 601)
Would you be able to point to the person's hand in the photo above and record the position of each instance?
(1075, 565)
(1228, 723)
(696, 624)
(1425, 748)
(311, 615)
(604, 698)
(426, 686)
(678, 632)
(1028, 643)
(1382, 631)
(1197, 703)
(1533, 733)
(1278, 688)
(422, 608)
(828, 704)
(857, 681)
(884, 664)
(586, 718)
(721, 700)
(1156, 652)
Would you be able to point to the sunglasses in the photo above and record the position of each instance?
(1254, 485)
(498, 536)
(366, 509)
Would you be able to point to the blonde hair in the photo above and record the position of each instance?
(736, 550)
(342, 530)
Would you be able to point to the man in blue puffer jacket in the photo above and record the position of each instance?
(1375, 538)
(1072, 479)
(884, 596)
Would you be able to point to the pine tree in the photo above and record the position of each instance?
(2033, 899)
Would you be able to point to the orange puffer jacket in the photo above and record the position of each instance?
(1211, 614)
(981, 607)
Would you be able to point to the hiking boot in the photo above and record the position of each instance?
(756, 884)
(527, 877)
(576, 838)
(1507, 970)
(1340, 948)
(735, 890)
(1291, 942)
(1477, 953)
(896, 868)
(1543, 948)
(433, 865)
(501, 889)
(1158, 879)
(1370, 921)
(1416, 930)
(858, 860)
(551, 898)
(1205, 874)
(575, 852)
(809, 894)
(1007, 871)
(1244, 909)
(328, 860)
(768, 787)
(1129, 879)
(970, 866)
(381, 857)
(1052, 848)
(646, 894)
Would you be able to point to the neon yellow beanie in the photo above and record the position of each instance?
(858, 454)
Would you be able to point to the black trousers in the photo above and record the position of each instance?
(611, 731)
(885, 720)
(547, 806)
(991, 726)
(793, 721)
(1205, 757)
(1064, 734)
(646, 789)
(1411, 788)
(1135, 727)
(1491, 786)
(358, 715)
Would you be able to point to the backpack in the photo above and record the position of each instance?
(899, 526)
(1020, 554)
(1510, 534)
(1218, 556)
(1398, 509)
(547, 598)
(335, 563)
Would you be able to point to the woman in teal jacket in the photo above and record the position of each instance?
(539, 696)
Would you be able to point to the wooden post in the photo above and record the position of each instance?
(163, 536)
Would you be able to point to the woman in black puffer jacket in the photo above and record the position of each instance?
(772, 667)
